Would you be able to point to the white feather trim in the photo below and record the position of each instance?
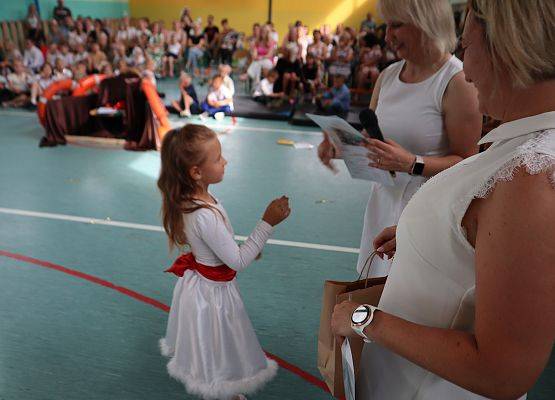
(221, 390)
(165, 348)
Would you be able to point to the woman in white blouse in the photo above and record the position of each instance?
(468, 308)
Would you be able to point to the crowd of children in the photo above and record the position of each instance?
(301, 68)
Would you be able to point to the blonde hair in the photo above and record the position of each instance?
(433, 17)
(521, 37)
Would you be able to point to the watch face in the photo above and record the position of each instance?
(418, 168)
(360, 315)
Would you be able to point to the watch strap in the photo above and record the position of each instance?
(359, 328)
(418, 166)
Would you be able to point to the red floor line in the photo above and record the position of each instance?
(148, 300)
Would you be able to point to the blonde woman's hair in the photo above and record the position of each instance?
(521, 37)
(433, 17)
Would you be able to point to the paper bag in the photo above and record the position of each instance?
(367, 291)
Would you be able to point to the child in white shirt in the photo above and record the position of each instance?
(219, 99)
(264, 91)
(225, 71)
(173, 53)
(44, 79)
(18, 83)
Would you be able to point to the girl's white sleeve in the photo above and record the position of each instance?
(213, 232)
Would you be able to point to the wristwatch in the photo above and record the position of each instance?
(361, 318)
(418, 166)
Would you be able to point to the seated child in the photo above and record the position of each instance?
(44, 80)
(311, 76)
(188, 103)
(341, 57)
(219, 98)
(335, 101)
(121, 67)
(52, 53)
(97, 58)
(173, 52)
(60, 70)
(264, 91)
(17, 86)
(137, 58)
(149, 71)
(225, 71)
(66, 55)
(370, 56)
(81, 54)
(79, 70)
(289, 67)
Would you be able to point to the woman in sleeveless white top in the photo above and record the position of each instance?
(467, 309)
(425, 108)
(411, 114)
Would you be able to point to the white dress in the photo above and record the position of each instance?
(411, 115)
(213, 347)
(432, 278)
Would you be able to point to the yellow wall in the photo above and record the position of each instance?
(243, 13)
(316, 13)
(240, 13)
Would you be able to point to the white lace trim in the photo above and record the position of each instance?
(530, 156)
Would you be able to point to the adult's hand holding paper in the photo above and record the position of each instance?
(348, 140)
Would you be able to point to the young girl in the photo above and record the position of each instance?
(213, 348)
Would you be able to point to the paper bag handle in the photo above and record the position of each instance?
(367, 265)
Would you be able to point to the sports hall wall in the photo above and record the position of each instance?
(17, 9)
(243, 13)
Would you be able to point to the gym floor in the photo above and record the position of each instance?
(83, 296)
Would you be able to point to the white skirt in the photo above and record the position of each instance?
(210, 339)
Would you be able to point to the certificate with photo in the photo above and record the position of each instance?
(348, 140)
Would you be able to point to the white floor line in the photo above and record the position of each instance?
(155, 228)
(262, 129)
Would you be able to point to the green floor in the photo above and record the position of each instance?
(66, 338)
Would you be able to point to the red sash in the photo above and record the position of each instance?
(187, 261)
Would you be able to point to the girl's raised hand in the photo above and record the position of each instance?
(277, 211)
